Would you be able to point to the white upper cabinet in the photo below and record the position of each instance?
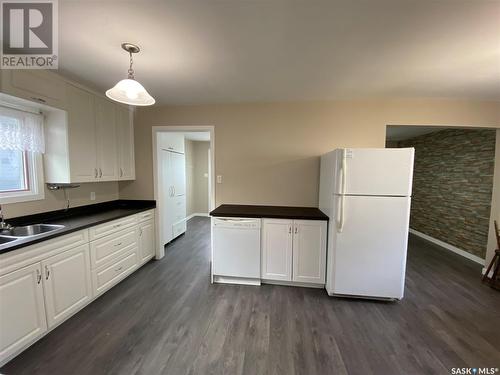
(171, 142)
(81, 135)
(37, 85)
(106, 141)
(91, 141)
(125, 137)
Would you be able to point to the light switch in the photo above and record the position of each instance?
(92, 195)
(219, 179)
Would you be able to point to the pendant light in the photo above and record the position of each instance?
(129, 91)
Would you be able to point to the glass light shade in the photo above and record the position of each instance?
(129, 91)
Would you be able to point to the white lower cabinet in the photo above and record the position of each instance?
(22, 310)
(294, 251)
(44, 284)
(277, 249)
(309, 251)
(146, 241)
(66, 283)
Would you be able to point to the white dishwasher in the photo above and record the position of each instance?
(236, 250)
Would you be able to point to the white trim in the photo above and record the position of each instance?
(293, 283)
(160, 250)
(449, 247)
(236, 280)
(36, 181)
(197, 214)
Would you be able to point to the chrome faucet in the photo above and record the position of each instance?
(3, 224)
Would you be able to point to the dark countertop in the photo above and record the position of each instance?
(76, 219)
(273, 212)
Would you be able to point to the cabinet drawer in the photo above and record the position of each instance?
(107, 276)
(145, 216)
(111, 227)
(111, 247)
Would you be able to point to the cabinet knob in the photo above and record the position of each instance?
(296, 230)
(121, 172)
(95, 172)
(38, 276)
(100, 173)
(47, 272)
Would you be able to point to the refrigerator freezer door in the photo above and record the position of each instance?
(375, 171)
(368, 258)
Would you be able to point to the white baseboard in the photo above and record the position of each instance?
(449, 247)
(197, 214)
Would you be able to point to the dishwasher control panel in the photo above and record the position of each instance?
(237, 222)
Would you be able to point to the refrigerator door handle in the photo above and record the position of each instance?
(341, 221)
(344, 171)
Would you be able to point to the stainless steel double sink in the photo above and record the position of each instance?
(8, 236)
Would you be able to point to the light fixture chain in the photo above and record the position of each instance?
(130, 69)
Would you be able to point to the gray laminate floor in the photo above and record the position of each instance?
(167, 319)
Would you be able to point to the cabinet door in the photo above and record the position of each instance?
(171, 141)
(38, 85)
(22, 311)
(178, 162)
(309, 251)
(107, 155)
(166, 196)
(277, 249)
(146, 241)
(82, 135)
(125, 131)
(66, 283)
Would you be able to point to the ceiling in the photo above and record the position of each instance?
(221, 51)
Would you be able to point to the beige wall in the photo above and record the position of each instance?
(200, 180)
(495, 205)
(196, 183)
(54, 200)
(269, 153)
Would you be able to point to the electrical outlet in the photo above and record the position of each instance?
(92, 195)
(219, 179)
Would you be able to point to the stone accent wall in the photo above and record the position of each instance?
(452, 186)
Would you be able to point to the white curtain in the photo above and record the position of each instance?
(21, 130)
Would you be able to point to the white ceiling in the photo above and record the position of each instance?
(214, 51)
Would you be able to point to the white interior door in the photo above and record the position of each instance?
(369, 255)
(375, 171)
(277, 249)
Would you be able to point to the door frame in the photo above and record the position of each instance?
(160, 250)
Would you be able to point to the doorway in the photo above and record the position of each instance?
(183, 159)
(453, 185)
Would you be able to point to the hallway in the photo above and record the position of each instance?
(168, 319)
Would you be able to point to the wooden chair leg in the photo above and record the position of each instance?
(492, 263)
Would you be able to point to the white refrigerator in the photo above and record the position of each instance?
(367, 195)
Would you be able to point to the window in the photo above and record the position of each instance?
(21, 148)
